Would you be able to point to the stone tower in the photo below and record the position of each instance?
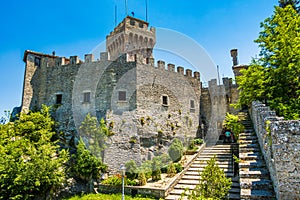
(236, 67)
(131, 36)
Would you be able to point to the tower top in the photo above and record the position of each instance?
(131, 36)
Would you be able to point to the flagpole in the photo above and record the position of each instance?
(126, 8)
(146, 10)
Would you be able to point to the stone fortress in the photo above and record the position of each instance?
(148, 103)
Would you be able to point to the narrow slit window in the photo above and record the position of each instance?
(122, 96)
(192, 104)
(165, 100)
(86, 97)
(37, 62)
(59, 99)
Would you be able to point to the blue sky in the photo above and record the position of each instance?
(76, 27)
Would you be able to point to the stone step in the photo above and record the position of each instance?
(221, 159)
(243, 146)
(248, 137)
(234, 196)
(250, 149)
(250, 156)
(197, 176)
(188, 182)
(235, 190)
(194, 172)
(252, 164)
(248, 142)
(223, 162)
(235, 184)
(245, 134)
(212, 154)
(184, 186)
(178, 192)
(256, 194)
(258, 173)
(202, 165)
(264, 184)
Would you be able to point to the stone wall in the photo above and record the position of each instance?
(280, 144)
(215, 103)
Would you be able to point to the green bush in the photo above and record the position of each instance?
(131, 169)
(178, 167)
(156, 169)
(198, 141)
(176, 150)
(142, 179)
(116, 180)
(87, 165)
(213, 183)
(146, 168)
(171, 170)
(232, 123)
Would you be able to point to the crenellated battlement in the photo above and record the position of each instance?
(51, 60)
(180, 70)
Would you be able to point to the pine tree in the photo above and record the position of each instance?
(31, 164)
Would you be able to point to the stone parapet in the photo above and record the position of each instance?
(280, 144)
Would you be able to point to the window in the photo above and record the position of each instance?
(132, 22)
(122, 96)
(59, 99)
(37, 62)
(192, 106)
(141, 25)
(165, 100)
(86, 97)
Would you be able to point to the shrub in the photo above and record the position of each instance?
(116, 180)
(213, 183)
(176, 150)
(87, 166)
(156, 166)
(146, 168)
(142, 179)
(198, 141)
(131, 169)
(171, 170)
(178, 167)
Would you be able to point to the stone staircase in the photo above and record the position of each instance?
(191, 177)
(255, 181)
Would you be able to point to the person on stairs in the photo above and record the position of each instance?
(228, 136)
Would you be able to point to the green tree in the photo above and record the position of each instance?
(293, 3)
(96, 134)
(31, 165)
(279, 69)
(131, 169)
(232, 123)
(87, 165)
(176, 150)
(213, 183)
(251, 84)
